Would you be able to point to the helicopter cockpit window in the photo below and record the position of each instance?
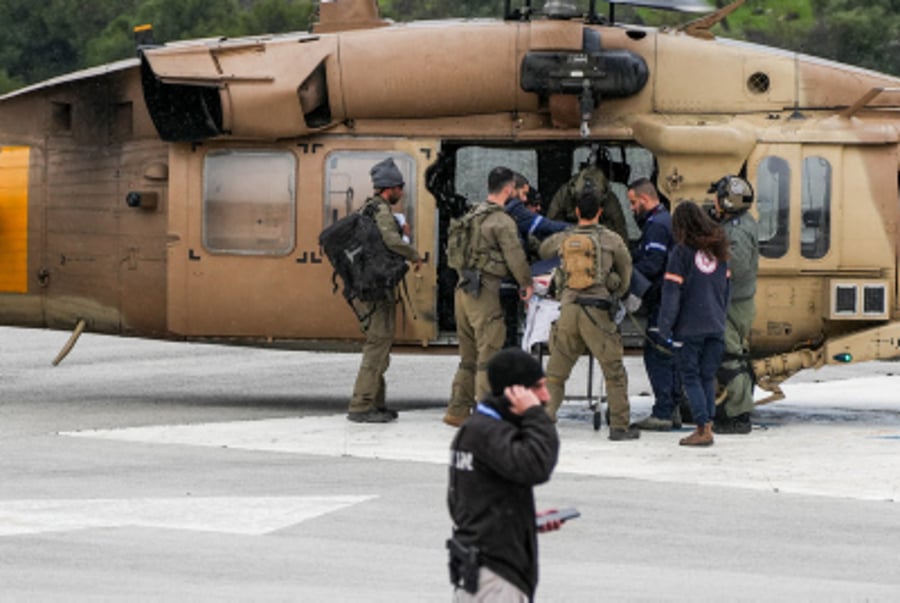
(348, 183)
(815, 234)
(773, 190)
(248, 202)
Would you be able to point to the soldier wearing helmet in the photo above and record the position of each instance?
(733, 197)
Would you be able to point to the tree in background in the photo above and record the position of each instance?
(45, 38)
(409, 10)
(859, 32)
(39, 40)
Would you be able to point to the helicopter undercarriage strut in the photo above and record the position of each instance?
(772, 371)
(877, 343)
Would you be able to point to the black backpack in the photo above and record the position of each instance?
(368, 269)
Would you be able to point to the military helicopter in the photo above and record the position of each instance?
(180, 194)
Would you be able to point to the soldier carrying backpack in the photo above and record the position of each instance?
(483, 247)
(367, 251)
(595, 271)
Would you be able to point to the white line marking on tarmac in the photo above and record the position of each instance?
(847, 460)
(253, 516)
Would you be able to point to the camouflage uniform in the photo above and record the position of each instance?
(480, 326)
(562, 207)
(734, 374)
(583, 326)
(369, 390)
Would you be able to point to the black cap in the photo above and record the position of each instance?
(513, 366)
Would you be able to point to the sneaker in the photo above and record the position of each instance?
(371, 416)
(736, 425)
(454, 420)
(617, 434)
(652, 423)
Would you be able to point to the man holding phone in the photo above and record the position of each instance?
(507, 446)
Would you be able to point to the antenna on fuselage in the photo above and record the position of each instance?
(519, 14)
(592, 17)
(143, 37)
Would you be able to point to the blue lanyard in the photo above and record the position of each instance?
(487, 410)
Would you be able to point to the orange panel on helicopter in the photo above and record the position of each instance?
(14, 163)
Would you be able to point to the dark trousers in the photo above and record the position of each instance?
(698, 360)
(660, 366)
(509, 301)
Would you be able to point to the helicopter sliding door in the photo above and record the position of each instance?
(244, 258)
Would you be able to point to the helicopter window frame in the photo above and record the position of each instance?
(639, 161)
(249, 202)
(475, 161)
(340, 199)
(773, 202)
(815, 207)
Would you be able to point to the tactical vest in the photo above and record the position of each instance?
(582, 260)
(466, 248)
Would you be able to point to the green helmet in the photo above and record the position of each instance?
(734, 194)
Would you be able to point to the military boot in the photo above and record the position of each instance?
(652, 423)
(617, 434)
(454, 420)
(702, 436)
(733, 425)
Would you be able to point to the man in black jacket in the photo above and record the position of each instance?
(506, 447)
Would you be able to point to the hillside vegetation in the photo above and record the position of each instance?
(39, 40)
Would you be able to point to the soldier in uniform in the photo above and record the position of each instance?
(585, 319)
(733, 197)
(368, 402)
(495, 253)
(594, 178)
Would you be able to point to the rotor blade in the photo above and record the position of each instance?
(684, 6)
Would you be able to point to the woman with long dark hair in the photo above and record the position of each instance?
(692, 316)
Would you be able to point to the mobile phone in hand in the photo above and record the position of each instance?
(561, 515)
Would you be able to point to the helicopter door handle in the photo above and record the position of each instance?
(192, 256)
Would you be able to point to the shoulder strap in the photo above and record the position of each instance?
(476, 218)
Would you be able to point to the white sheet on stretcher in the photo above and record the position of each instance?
(541, 315)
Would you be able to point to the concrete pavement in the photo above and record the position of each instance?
(141, 470)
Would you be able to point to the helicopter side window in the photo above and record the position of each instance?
(624, 164)
(773, 188)
(248, 202)
(815, 234)
(473, 164)
(348, 183)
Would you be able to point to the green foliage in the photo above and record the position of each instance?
(410, 10)
(7, 83)
(278, 16)
(43, 38)
(860, 32)
(39, 40)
